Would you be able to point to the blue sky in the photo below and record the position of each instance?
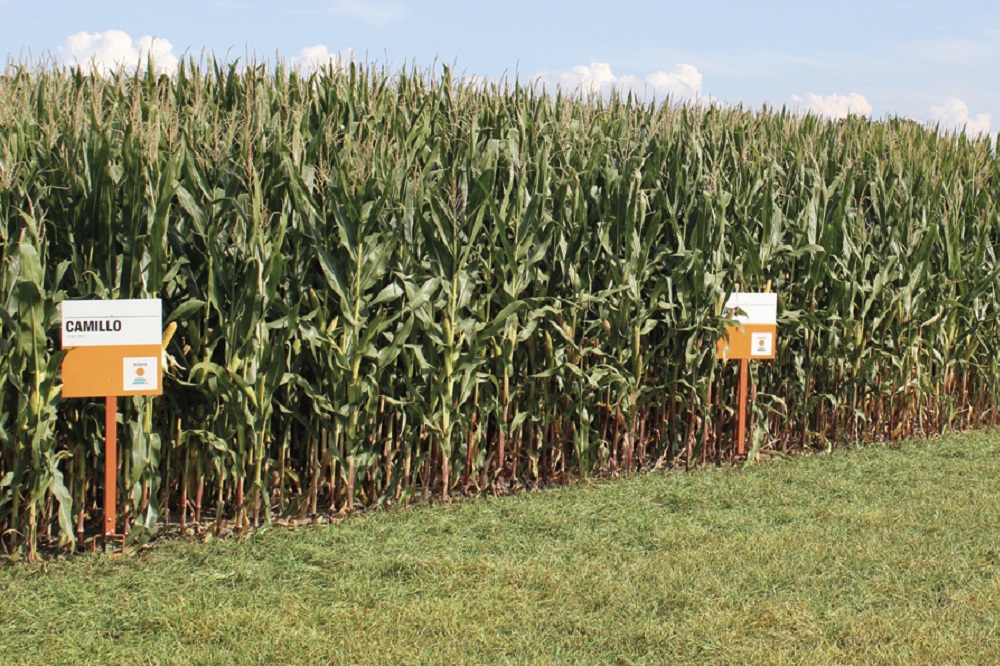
(927, 60)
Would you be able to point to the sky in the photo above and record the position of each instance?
(932, 61)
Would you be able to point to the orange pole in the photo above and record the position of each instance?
(741, 426)
(110, 463)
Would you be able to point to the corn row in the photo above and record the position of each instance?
(398, 285)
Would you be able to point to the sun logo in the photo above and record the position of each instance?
(140, 373)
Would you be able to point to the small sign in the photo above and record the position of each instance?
(757, 314)
(761, 345)
(139, 374)
(114, 347)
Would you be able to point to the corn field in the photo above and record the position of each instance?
(392, 286)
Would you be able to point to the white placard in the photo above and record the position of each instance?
(761, 344)
(112, 323)
(752, 308)
(139, 373)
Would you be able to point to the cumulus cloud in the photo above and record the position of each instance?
(834, 106)
(682, 82)
(373, 11)
(112, 50)
(588, 79)
(314, 58)
(954, 114)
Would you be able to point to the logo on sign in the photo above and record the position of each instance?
(139, 373)
(762, 344)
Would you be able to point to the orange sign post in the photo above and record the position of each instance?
(114, 349)
(753, 338)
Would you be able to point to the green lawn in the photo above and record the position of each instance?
(871, 555)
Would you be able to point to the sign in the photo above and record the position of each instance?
(758, 315)
(114, 348)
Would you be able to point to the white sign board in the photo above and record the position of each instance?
(113, 348)
(112, 323)
(752, 308)
(755, 329)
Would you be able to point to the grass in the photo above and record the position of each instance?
(869, 555)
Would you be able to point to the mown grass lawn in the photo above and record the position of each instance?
(870, 555)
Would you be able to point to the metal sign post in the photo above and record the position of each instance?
(110, 470)
(741, 426)
(114, 349)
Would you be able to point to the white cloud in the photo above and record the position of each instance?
(373, 11)
(834, 106)
(112, 50)
(314, 58)
(588, 79)
(682, 82)
(954, 114)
